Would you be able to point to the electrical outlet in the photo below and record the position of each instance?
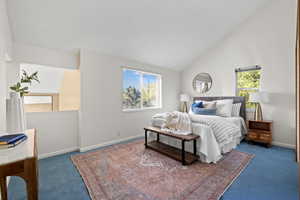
(118, 133)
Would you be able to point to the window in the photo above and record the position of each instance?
(141, 90)
(58, 89)
(35, 102)
(248, 81)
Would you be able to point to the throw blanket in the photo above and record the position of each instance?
(224, 130)
(176, 122)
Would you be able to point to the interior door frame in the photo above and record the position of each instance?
(297, 58)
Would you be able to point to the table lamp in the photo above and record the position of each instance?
(184, 98)
(257, 98)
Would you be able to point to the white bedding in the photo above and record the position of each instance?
(238, 121)
(208, 148)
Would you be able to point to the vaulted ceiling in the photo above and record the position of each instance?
(167, 33)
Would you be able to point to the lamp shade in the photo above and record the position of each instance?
(254, 97)
(259, 97)
(184, 98)
(264, 97)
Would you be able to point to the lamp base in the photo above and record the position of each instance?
(258, 113)
(184, 107)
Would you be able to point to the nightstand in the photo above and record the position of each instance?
(260, 131)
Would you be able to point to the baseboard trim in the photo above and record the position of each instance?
(285, 145)
(83, 149)
(56, 153)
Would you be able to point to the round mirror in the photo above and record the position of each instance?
(202, 83)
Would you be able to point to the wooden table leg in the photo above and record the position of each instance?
(3, 188)
(183, 152)
(32, 179)
(157, 137)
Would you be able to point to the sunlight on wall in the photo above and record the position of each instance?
(58, 90)
(69, 92)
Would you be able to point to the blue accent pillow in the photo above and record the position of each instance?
(198, 105)
(204, 111)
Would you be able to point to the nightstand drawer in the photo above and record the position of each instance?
(259, 131)
(260, 125)
(252, 135)
(265, 137)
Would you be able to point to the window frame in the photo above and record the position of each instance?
(54, 101)
(245, 69)
(142, 72)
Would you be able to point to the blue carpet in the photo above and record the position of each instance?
(271, 175)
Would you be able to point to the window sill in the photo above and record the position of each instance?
(140, 109)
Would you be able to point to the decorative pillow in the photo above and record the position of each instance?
(208, 104)
(197, 104)
(224, 107)
(204, 111)
(236, 108)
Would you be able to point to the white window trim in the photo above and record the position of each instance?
(256, 67)
(141, 83)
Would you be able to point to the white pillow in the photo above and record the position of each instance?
(224, 107)
(236, 109)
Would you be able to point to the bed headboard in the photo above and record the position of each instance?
(235, 100)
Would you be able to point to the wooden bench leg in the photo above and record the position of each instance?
(3, 188)
(146, 138)
(183, 152)
(195, 147)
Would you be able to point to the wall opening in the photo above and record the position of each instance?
(58, 90)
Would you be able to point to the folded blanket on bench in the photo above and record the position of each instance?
(175, 122)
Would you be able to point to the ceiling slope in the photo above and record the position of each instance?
(165, 33)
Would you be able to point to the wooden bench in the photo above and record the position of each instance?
(175, 153)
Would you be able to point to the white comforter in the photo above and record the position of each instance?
(210, 149)
(225, 131)
(218, 135)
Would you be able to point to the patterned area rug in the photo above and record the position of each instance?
(131, 172)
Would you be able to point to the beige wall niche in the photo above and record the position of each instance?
(69, 92)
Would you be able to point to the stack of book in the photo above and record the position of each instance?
(9, 141)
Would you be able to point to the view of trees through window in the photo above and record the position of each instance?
(140, 89)
(248, 82)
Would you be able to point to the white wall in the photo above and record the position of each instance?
(2, 96)
(44, 56)
(5, 55)
(57, 132)
(5, 33)
(40, 56)
(267, 39)
(50, 78)
(101, 117)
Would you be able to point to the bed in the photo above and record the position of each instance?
(209, 149)
(213, 141)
